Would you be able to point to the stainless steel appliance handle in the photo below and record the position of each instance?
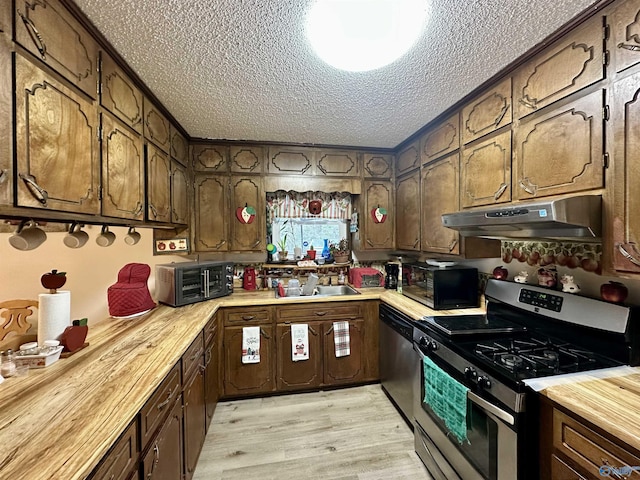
(207, 291)
(481, 402)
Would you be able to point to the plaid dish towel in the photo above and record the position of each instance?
(341, 339)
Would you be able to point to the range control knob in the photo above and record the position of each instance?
(484, 382)
(430, 345)
(470, 373)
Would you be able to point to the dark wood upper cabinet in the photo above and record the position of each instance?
(624, 39)
(158, 185)
(441, 140)
(57, 150)
(337, 163)
(378, 234)
(51, 33)
(561, 150)
(122, 170)
(5, 20)
(566, 66)
(487, 113)
(179, 147)
(211, 230)
(291, 161)
(378, 165)
(408, 212)
(119, 94)
(179, 189)
(210, 158)
(156, 127)
(6, 108)
(485, 171)
(247, 159)
(408, 158)
(247, 191)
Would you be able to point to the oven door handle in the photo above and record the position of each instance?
(490, 408)
(481, 402)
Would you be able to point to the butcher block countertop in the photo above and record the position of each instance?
(59, 421)
(612, 404)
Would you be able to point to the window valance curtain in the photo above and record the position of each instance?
(281, 204)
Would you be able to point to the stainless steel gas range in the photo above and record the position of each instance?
(528, 333)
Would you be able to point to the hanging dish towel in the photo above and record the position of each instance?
(251, 345)
(341, 339)
(299, 342)
(447, 398)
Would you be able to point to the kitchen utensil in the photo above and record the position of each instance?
(27, 238)
(106, 237)
(249, 278)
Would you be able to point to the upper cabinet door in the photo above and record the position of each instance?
(158, 185)
(439, 189)
(485, 171)
(568, 65)
(6, 112)
(334, 163)
(441, 140)
(179, 186)
(210, 158)
(378, 165)
(625, 219)
(408, 159)
(488, 112)
(408, 212)
(291, 161)
(247, 233)
(119, 94)
(247, 159)
(122, 170)
(179, 147)
(211, 228)
(58, 161)
(156, 127)
(52, 34)
(378, 225)
(560, 151)
(5, 19)
(625, 35)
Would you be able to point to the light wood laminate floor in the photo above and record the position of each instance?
(348, 434)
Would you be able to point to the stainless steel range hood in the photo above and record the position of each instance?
(577, 217)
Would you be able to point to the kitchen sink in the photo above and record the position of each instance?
(330, 290)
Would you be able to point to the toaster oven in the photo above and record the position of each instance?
(183, 283)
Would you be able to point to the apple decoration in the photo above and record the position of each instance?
(615, 292)
(500, 273)
(246, 214)
(53, 280)
(379, 215)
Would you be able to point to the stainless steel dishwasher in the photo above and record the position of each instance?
(398, 360)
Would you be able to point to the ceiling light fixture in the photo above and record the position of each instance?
(362, 35)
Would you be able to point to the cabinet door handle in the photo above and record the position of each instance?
(452, 245)
(35, 35)
(36, 190)
(156, 459)
(329, 331)
(264, 334)
(248, 317)
(415, 244)
(500, 191)
(196, 355)
(138, 210)
(166, 402)
(635, 259)
(628, 46)
(3, 176)
(370, 242)
(528, 187)
(321, 314)
(528, 104)
(312, 330)
(256, 243)
(154, 212)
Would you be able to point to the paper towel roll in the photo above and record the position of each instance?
(54, 315)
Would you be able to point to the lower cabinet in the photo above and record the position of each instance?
(121, 463)
(211, 370)
(349, 368)
(572, 449)
(300, 374)
(163, 459)
(194, 420)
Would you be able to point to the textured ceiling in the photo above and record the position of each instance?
(242, 70)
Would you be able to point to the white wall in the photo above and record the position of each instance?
(90, 269)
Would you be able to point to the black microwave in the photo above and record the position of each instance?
(183, 283)
(441, 288)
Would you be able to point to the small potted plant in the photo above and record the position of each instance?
(282, 247)
(311, 253)
(340, 252)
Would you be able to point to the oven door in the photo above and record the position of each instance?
(491, 452)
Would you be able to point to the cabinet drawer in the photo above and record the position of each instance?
(562, 471)
(247, 316)
(210, 330)
(121, 460)
(588, 449)
(320, 311)
(193, 356)
(159, 405)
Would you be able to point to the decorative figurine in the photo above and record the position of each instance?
(568, 285)
(547, 276)
(500, 273)
(521, 277)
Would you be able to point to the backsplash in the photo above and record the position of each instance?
(586, 256)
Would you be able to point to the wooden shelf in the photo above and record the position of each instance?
(285, 266)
